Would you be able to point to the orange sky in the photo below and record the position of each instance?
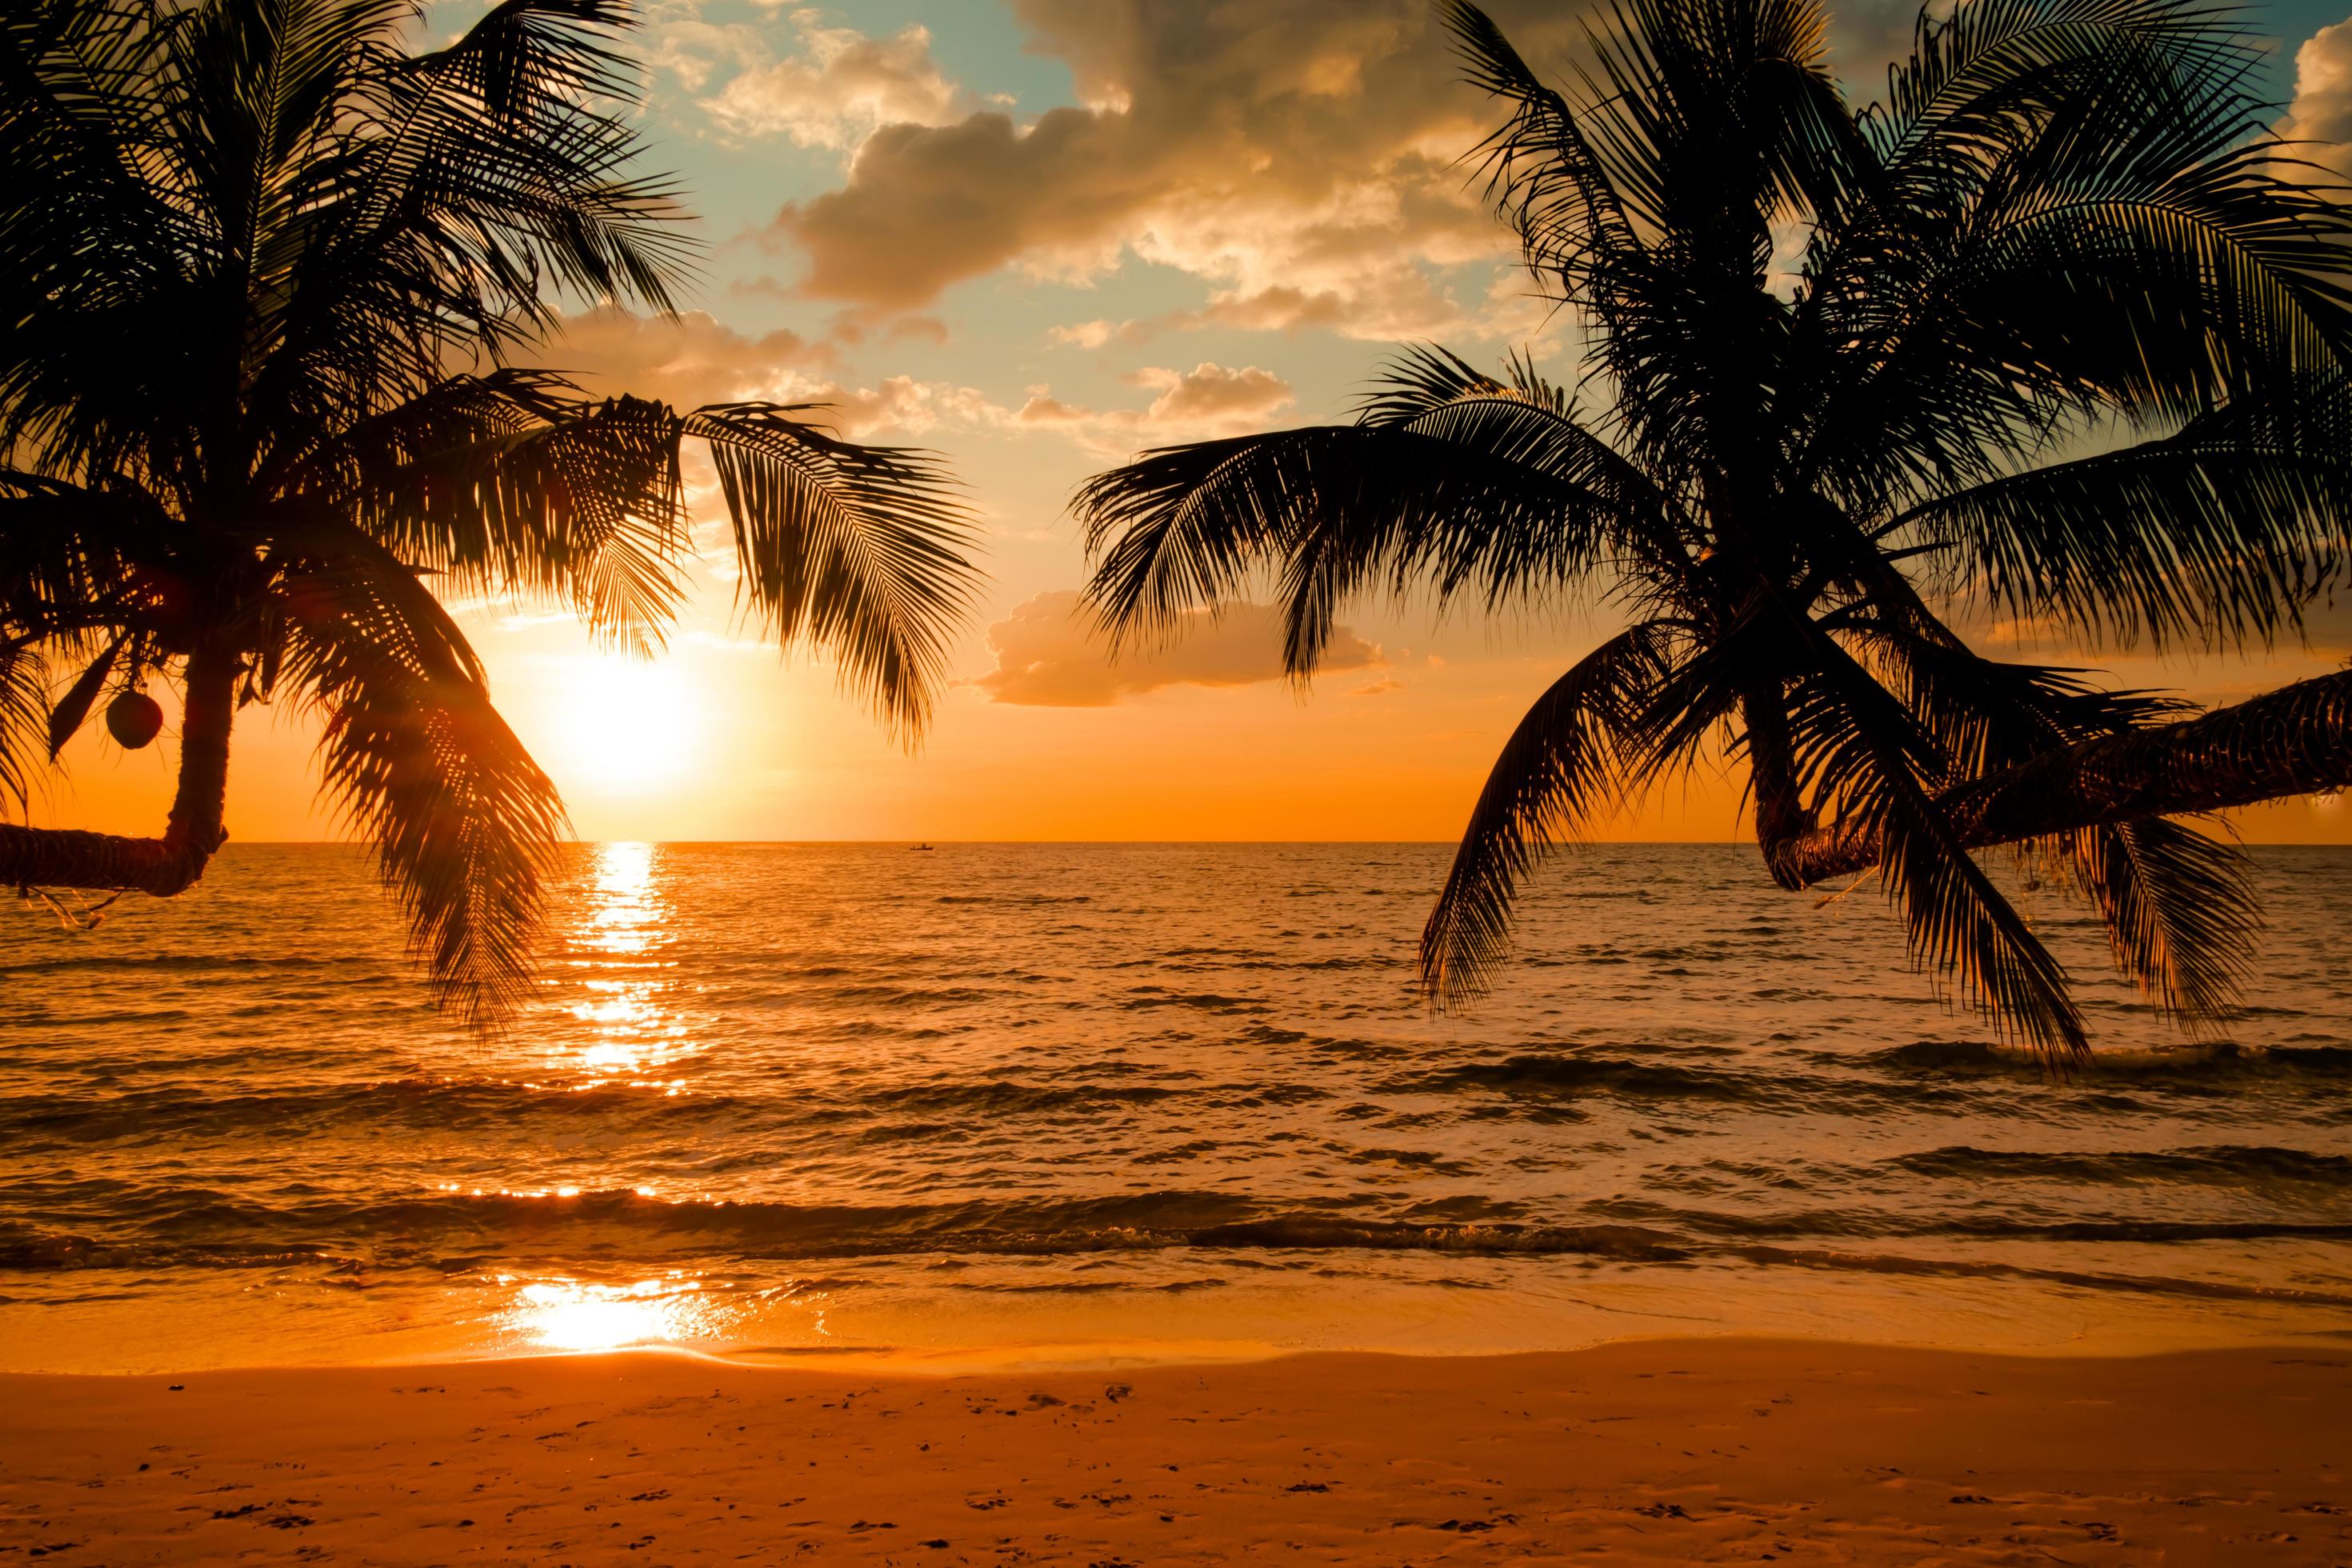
(727, 742)
(1038, 236)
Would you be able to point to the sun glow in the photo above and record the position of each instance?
(569, 1315)
(624, 725)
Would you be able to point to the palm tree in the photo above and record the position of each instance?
(263, 274)
(2294, 741)
(2061, 335)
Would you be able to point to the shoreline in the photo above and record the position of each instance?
(917, 1364)
(1648, 1450)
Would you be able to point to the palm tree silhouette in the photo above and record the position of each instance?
(263, 273)
(2053, 331)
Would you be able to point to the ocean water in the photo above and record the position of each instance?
(1015, 1103)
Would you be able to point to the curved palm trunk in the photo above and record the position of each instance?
(2294, 741)
(59, 857)
(1781, 819)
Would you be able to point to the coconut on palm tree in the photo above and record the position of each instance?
(265, 274)
(2052, 331)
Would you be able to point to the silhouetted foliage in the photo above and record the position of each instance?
(263, 275)
(2053, 330)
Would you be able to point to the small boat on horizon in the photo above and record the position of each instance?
(924, 847)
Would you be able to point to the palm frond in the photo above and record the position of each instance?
(513, 483)
(858, 549)
(1541, 173)
(68, 554)
(2179, 910)
(514, 145)
(466, 825)
(1977, 73)
(1449, 478)
(1868, 757)
(2079, 218)
(72, 709)
(24, 721)
(1581, 751)
(2222, 532)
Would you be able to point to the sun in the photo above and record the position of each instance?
(623, 725)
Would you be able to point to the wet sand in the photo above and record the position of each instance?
(1667, 1451)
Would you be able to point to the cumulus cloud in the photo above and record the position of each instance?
(2321, 111)
(1207, 401)
(694, 359)
(1299, 155)
(689, 359)
(1081, 335)
(837, 87)
(1211, 395)
(1048, 657)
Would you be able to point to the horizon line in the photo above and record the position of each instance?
(1444, 843)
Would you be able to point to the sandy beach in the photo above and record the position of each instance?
(1664, 1452)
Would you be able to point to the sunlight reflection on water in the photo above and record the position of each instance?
(1024, 1096)
(620, 944)
(569, 1315)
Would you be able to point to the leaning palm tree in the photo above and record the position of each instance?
(264, 273)
(2061, 334)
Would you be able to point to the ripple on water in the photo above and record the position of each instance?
(745, 1059)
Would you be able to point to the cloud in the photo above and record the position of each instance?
(1207, 401)
(1045, 656)
(1081, 335)
(1381, 688)
(686, 359)
(694, 359)
(1210, 394)
(1299, 155)
(831, 93)
(2321, 111)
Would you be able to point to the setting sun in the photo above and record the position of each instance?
(1117, 781)
(620, 725)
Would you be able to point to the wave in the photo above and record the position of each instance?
(158, 1115)
(1015, 899)
(1007, 1097)
(445, 1232)
(2085, 1280)
(1144, 998)
(2229, 1164)
(114, 960)
(2183, 1063)
(449, 1235)
(1549, 1073)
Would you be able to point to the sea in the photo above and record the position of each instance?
(1035, 1104)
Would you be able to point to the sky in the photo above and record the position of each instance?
(1039, 236)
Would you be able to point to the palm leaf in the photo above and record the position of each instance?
(2176, 905)
(858, 549)
(24, 719)
(1867, 757)
(1448, 478)
(2179, 910)
(1570, 764)
(466, 825)
(514, 483)
(2222, 532)
(73, 708)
